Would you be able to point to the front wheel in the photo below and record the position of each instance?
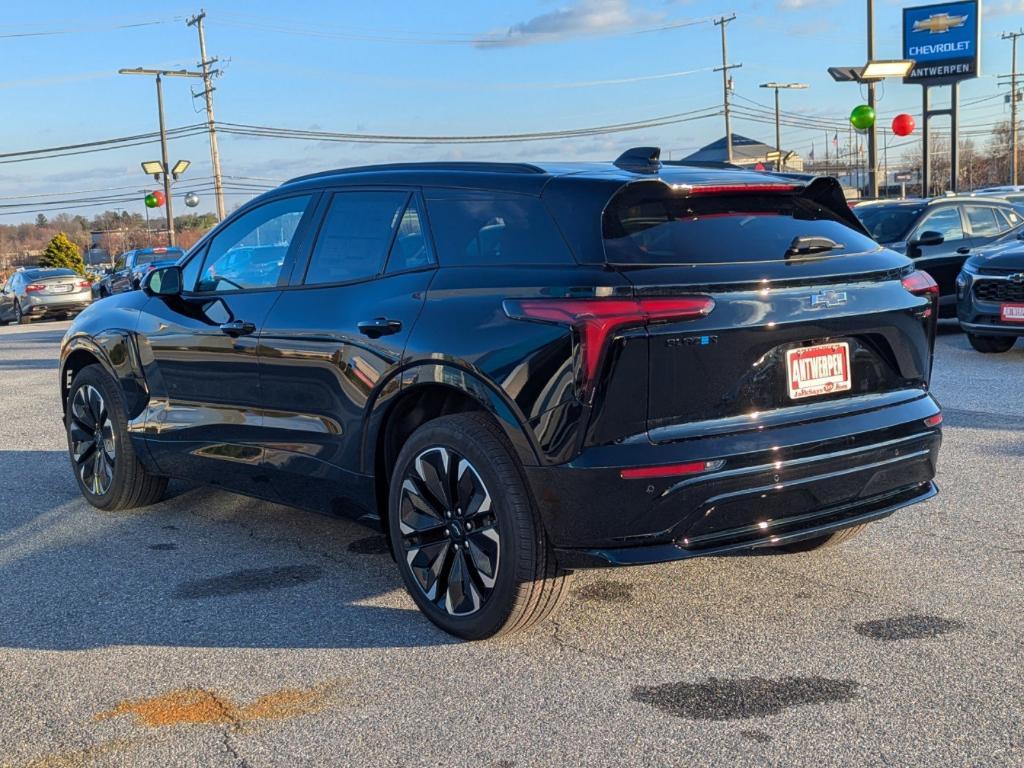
(108, 472)
(991, 344)
(466, 533)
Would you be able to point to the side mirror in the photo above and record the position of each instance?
(928, 238)
(165, 281)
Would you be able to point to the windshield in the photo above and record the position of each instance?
(887, 223)
(650, 226)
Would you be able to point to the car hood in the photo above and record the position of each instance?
(1010, 256)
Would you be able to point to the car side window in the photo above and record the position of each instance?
(411, 248)
(119, 263)
(945, 221)
(982, 219)
(1008, 219)
(250, 252)
(190, 271)
(354, 239)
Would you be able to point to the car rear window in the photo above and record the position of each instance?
(656, 226)
(491, 231)
(42, 274)
(887, 223)
(169, 255)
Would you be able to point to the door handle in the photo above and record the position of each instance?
(237, 328)
(963, 249)
(379, 326)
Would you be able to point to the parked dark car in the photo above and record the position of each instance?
(131, 266)
(30, 294)
(939, 234)
(519, 370)
(990, 294)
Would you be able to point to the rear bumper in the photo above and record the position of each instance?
(775, 485)
(55, 306)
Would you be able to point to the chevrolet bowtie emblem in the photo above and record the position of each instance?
(939, 23)
(828, 299)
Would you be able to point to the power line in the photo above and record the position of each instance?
(88, 29)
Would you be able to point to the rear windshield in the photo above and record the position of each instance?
(42, 274)
(143, 257)
(887, 223)
(645, 226)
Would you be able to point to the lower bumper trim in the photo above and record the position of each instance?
(993, 330)
(830, 521)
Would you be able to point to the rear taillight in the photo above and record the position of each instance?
(933, 421)
(34, 288)
(595, 320)
(920, 283)
(84, 284)
(670, 470)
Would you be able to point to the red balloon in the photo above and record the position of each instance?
(160, 198)
(903, 125)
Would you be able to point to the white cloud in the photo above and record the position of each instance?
(1004, 8)
(585, 17)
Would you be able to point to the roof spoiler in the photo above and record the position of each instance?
(640, 160)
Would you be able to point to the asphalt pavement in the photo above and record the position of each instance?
(214, 630)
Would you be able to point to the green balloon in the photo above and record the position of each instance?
(862, 117)
(151, 201)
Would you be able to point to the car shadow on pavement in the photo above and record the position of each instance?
(203, 568)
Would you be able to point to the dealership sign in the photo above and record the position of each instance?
(943, 41)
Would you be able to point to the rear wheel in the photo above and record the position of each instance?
(821, 542)
(108, 472)
(20, 317)
(991, 344)
(465, 531)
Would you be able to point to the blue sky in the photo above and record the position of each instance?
(413, 68)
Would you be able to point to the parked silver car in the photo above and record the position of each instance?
(40, 292)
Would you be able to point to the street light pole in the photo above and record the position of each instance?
(160, 74)
(872, 135)
(778, 124)
(165, 161)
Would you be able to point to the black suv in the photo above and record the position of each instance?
(990, 293)
(520, 370)
(131, 266)
(939, 234)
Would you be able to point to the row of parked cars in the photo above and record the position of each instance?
(973, 246)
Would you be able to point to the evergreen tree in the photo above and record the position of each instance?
(61, 252)
(41, 220)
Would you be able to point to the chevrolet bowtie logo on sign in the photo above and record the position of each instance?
(943, 42)
(938, 23)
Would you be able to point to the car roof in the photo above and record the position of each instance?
(530, 178)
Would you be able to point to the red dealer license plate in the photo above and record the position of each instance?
(1012, 313)
(820, 370)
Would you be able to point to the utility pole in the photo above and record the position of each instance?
(726, 66)
(218, 186)
(872, 133)
(1014, 153)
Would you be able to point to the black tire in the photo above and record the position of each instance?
(991, 344)
(526, 584)
(19, 317)
(821, 542)
(108, 474)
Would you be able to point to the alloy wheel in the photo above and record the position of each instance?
(450, 536)
(91, 435)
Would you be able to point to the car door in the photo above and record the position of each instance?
(7, 300)
(987, 223)
(121, 270)
(199, 349)
(335, 337)
(943, 261)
